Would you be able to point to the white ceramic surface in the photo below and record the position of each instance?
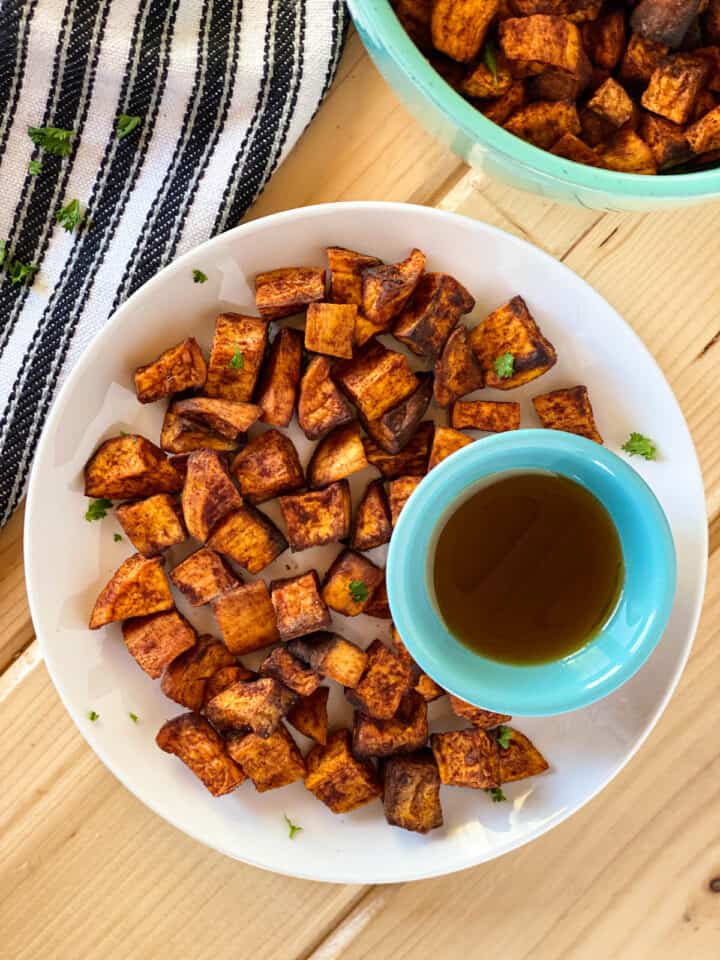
(68, 560)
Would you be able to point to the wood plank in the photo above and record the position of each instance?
(16, 629)
(88, 871)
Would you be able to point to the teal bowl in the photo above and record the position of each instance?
(613, 655)
(487, 147)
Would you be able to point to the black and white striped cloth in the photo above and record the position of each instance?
(224, 89)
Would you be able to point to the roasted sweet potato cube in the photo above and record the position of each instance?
(372, 525)
(386, 289)
(126, 467)
(399, 492)
(400, 734)
(543, 123)
(569, 410)
(704, 134)
(222, 679)
(338, 455)
(411, 795)
(309, 715)
(208, 495)
(459, 26)
(512, 329)
(246, 617)
(286, 668)
(604, 38)
(431, 314)
(271, 762)
(383, 685)
(711, 19)
(705, 102)
(422, 683)
(664, 21)
(520, 759)
(573, 148)
(299, 608)
(415, 16)
(237, 353)
(412, 459)
(467, 758)
(500, 109)
(182, 367)
(280, 378)
(457, 371)
(350, 583)
(202, 576)
(337, 778)
(379, 606)
(576, 11)
(284, 292)
(595, 131)
(179, 435)
(257, 704)
(667, 141)
(376, 379)
(267, 467)
(641, 59)
(191, 738)
(157, 639)
(346, 268)
(152, 525)
(138, 587)
(228, 418)
(318, 517)
(612, 102)
(396, 427)
(674, 87)
(628, 153)
(427, 688)
(186, 678)
(550, 40)
(330, 328)
(445, 442)
(321, 406)
(490, 415)
(332, 656)
(482, 83)
(483, 719)
(249, 538)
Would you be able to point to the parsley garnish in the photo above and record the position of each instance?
(134, 717)
(497, 795)
(504, 366)
(293, 828)
(238, 361)
(3, 251)
(70, 216)
(358, 591)
(490, 60)
(20, 272)
(643, 446)
(93, 716)
(126, 124)
(34, 168)
(117, 538)
(52, 139)
(199, 276)
(504, 737)
(98, 509)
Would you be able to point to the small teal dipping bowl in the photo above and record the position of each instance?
(609, 658)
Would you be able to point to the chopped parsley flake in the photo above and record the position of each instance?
(126, 124)
(504, 737)
(34, 168)
(93, 716)
(497, 795)
(293, 828)
(71, 216)
(238, 361)
(199, 276)
(640, 445)
(117, 538)
(53, 140)
(358, 591)
(134, 717)
(98, 509)
(504, 366)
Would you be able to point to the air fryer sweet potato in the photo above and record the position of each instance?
(412, 792)
(271, 762)
(338, 455)
(246, 617)
(186, 679)
(406, 731)
(208, 495)
(457, 371)
(257, 704)
(511, 329)
(446, 441)
(249, 538)
(384, 683)
(228, 418)
(386, 289)
(346, 270)
(332, 656)
(493, 416)
(482, 719)
(569, 410)
(299, 608)
(278, 384)
(283, 292)
(376, 379)
(180, 368)
(157, 639)
(399, 492)
(138, 587)
(397, 426)
(127, 467)
(330, 328)
(191, 738)
(286, 668)
(202, 576)
(237, 353)
(350, 583)
(317, 517)
(179, 435)
(321, 406)
(459, 26)
(520, 759)
(410, 461)
(267, 467)
(372, 525)
(337, 778)
(467, 758)
(436, 306)
(152, 525)
(309, 715)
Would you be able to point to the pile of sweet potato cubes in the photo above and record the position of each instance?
(223, 452)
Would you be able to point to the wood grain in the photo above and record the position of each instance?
(16, 629)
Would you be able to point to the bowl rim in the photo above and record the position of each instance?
(391, 35)
(626, 639)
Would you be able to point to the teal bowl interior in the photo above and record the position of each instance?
(606, 661)
(487, 147)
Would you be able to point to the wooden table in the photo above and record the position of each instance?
(86, 871)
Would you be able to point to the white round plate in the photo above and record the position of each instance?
(68, 560)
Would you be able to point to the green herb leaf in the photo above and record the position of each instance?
(293, 828)
(199, 276)
(54, 140)
(238, 361)
(20, 272)
(70, 216)
(3, 251)
(98, 509)
(504, 366)
(93, 716)
(117, 538)
(134, 717)
(640, 445)
(34, 168)
(497, 795)
(490, 60)
(358, 591)
(126, 124)
(504, 737)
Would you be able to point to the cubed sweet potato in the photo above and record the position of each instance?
(372, 525)
(427, 688)
(286, 668)
(500, 109)
(321, 406)
(573, 148)
(185, 679)
(543, 122)
(317, 517)
(459, 26)
(332, 656)
(641, 59)
(611, 101)
(457, 371)
(410, 461)
(202, 576)
(280, 377)
(384, 683)
(543, 38)
(191, 738)
(569, 410)
(386, 289)
(152, 525)
(127, 467)
(490, 415)
(376, 379)
(309, 715)
(674, 87)
(396, 427)
(138, 587)
(257, 704)
(208, 495)
(664, 21)
(467, 758)
(711, 19)
(378, 605)
(594, 130)
(406, 731)
(399, 492)
(411, 796)
(350, 583)
(422, 683)
(228, 418)
(667, 141)
(628, 153)
(299, 608)
(246, 617)
(330, 328)
(512, 329)
(222, 679)
(237, 353)
(271, 762)
(431, 314)
(415, 16)
(483, 719)
(337, 778)
(445, 442)
(558, 85)
(182, 367)
(179, 435)
(704, 134)
(346, 269)
(338, 455)
(604, 38)
(520, 759)
(576, 11)
(267, 467)
(157, 639)
(284, 292)
(482, 83)
(249, 538)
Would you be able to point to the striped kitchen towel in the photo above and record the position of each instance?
(179, 111)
